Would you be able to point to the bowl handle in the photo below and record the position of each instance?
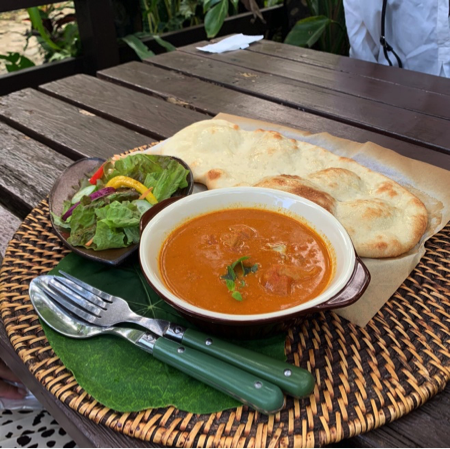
(354, 289)
(156, 209)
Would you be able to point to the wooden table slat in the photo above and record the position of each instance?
(151, 116)
(393, 75)
(410, 126)
(8, 224)
(369, 88)
(28, 170)
(212, 99)
(67, 129)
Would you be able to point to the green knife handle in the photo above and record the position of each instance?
(243, 386)
(291, 379)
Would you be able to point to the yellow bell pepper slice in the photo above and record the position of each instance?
(125, 181)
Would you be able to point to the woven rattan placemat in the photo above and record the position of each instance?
(365, 377)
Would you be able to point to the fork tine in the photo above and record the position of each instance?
(94, 299)
(76, 299)
(68, 305)
(105, 296)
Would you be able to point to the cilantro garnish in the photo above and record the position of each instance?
(233, 281)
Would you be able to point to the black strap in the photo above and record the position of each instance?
(384, 43)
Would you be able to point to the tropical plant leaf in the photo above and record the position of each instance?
(36, 20)
(235, 4)
(307, 32)
(167, 45)
(214, 18)
(187, 8)
(59, 55)
(123, 377)
(15, 61)
(313, 6)
(208, 4)
(138, 46)
(252, 5)
(269, 3)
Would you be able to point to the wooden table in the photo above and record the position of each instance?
(43, 131)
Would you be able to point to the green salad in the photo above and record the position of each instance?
(105, 211)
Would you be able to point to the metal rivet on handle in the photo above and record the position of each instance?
(287, 372)
(181, 349)
(258, 385)
(208, 342)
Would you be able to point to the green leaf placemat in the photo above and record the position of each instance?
(123, 377)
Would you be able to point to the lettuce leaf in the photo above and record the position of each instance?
(107, 237)
(113, 221)
(167, 182)
(60, 222)
(132, 234)
(108, 225)
(83, 224)
(136, 166)
(119, 215)
(164, 174)
(117, 226)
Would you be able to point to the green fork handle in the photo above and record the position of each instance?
(291, 379)
(242, 385)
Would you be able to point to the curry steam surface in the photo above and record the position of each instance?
(282, 261)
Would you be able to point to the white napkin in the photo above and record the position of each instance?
(236, 42)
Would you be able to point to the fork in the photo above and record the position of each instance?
(102, 309)
(242, 385)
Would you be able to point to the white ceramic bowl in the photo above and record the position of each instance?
(349, 280)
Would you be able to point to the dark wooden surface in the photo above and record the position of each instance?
(8, 224)
(153, 117)
(403, 97)
(338, 63)
(71, 131)
(43, 130)
(390, 120)
(25, 178)
(211, 99)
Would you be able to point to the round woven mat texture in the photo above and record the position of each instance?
(365, 377)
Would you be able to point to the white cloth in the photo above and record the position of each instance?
(418, 31)
(236, 42)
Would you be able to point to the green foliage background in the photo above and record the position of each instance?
(56, 30)
(324, 30)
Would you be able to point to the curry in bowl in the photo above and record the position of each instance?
(245, 261)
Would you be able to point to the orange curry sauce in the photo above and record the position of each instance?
(293, 263)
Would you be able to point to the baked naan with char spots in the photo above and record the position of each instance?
(382, 218)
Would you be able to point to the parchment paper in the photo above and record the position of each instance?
(429, 183)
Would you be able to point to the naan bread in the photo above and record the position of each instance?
(382, 218)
